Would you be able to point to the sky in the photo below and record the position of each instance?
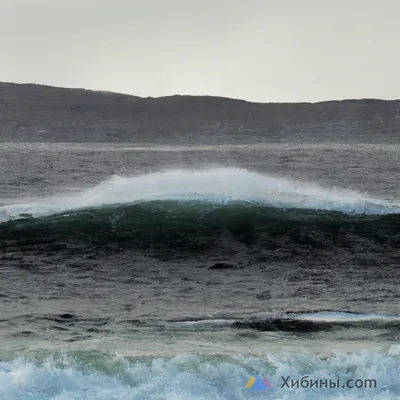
(257, 50)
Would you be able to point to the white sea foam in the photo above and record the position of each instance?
(343, 317)
(219, 185)
(324, 316)
(194, 377)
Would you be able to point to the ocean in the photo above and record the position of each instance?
(140, 271)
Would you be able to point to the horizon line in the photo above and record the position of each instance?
(104, 91)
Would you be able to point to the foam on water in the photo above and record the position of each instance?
(217, 185)
(190, 376)
(343, 317)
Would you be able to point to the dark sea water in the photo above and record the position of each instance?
(140, 272)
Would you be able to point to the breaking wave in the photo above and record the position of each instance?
(218, 186)
(200, 210)
(94, 375)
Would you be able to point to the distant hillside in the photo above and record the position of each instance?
(42, 113)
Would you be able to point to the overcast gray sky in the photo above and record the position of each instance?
(258, 50)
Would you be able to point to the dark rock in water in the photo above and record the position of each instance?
(66, 316)
(223, 265)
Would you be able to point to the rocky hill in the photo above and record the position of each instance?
(42, 113)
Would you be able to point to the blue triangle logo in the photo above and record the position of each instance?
(259, 384)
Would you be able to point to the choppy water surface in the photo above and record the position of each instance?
(151, 272)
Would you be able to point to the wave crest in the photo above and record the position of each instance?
(217, 185)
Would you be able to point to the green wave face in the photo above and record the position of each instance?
(199, 225)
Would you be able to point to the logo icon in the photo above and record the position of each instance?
(258, 383)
